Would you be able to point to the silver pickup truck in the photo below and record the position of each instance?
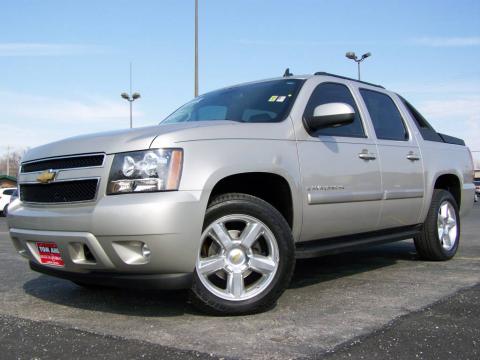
(228, 191)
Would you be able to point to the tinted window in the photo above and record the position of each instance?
(386, 118)
(330, 93)
(7, 192)
(426, 130)
(421, 122)
(267, 101)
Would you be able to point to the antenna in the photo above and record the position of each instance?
(287, 73)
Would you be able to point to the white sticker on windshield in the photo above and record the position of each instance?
(281, 98)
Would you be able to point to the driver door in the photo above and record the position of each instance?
(340, 172)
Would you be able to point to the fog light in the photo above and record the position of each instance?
(132, 252)
(146, 251)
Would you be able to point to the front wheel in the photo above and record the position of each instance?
(440, 234)
(246, 257)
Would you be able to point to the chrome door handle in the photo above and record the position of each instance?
(367, 156)
(413, 157)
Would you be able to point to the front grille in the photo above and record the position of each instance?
(59, 192)
(63, 163)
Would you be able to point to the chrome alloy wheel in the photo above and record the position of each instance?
(238, 257)
(447, 225)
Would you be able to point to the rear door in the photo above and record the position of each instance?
(340, 172)
(400, 161)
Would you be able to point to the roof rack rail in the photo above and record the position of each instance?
(347, 78)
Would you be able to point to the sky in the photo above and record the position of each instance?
(63, 64)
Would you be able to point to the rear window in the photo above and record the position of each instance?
(426, 130)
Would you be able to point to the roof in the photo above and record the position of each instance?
(322, 73)
(297, 77)
(8, 177)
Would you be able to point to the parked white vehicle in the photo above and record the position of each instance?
(5, 199)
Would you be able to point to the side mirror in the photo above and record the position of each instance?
(331, 115)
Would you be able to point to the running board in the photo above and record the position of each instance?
(316, 248)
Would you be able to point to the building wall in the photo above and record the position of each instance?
(7, 183)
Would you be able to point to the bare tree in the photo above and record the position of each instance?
(10, 162)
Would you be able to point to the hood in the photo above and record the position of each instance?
(113, 141)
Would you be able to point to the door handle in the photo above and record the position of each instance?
(365, 155)
(412, 156)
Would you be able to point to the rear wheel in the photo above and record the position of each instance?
(246, 257)
(440, 234)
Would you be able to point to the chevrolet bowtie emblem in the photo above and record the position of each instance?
(236, 258)
(46, 176)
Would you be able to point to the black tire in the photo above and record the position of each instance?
(235, 203)
(428, 243)
(5, 210)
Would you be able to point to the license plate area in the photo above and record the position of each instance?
(49, 254)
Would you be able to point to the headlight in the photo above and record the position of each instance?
(145, 171)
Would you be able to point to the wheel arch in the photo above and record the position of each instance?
(265, 185)
(450, 182)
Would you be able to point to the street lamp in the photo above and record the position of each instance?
(351, 55)
(130, 99)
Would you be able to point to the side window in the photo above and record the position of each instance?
(426, 130)
(329, 93)
(421, 122)
(7, 192)
(386, 118)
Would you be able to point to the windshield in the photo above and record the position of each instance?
(268, 101)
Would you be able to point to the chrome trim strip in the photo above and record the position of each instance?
(63, 180)
(403, 194)
(64, 157)
(315, 198)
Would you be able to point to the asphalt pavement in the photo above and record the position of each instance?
(380, 303)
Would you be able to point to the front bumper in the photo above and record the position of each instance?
(104, 240)
(136, 281)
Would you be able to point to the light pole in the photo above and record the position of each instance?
(195, 91)
(130, 97)
(351, 55)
